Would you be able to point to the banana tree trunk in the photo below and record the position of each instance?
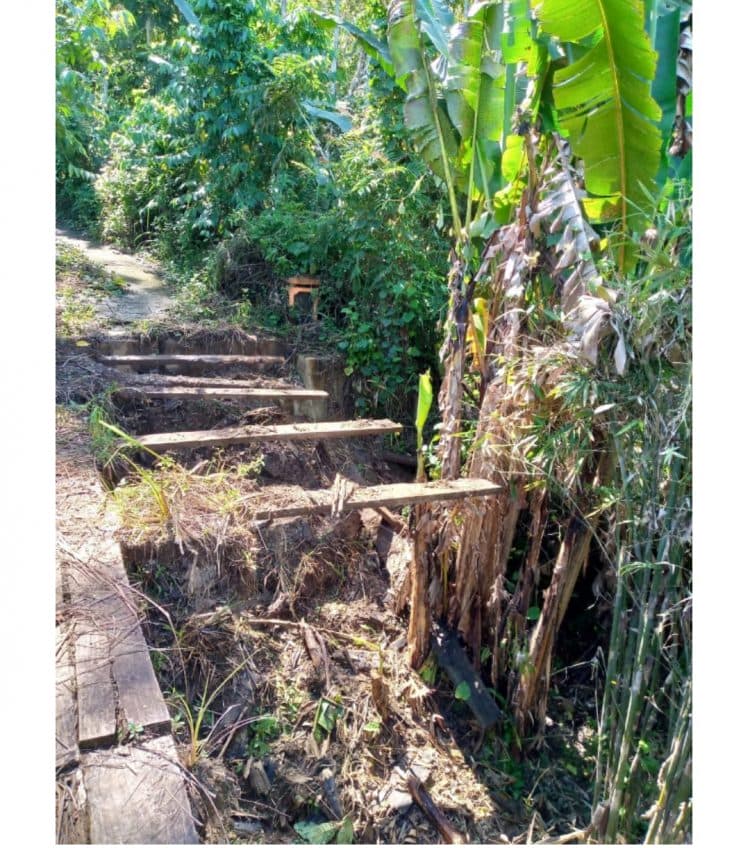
(530, 697)
(453, 356)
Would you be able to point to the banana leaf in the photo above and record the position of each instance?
(605, 105)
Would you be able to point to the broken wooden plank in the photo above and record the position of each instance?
(452, 659)
(221, 393)
(137, 795)
(253, 434)
(66, 729)
(318, 501)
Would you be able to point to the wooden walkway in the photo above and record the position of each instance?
(112, 729)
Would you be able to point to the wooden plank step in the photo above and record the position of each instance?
(221, 393)
(136, 795)
(215, 359)
(96, 696)
(140, 699)
(253, 434)
(320, 501)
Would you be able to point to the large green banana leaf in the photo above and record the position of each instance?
(605, 104)
(424, 111)
(458, 104)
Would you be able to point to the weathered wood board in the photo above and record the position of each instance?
(96, 696)
(111, 654)
(250, 435)
(306, 502)
(137, 795)
(221, 393)
(139, 697)
(212, 359)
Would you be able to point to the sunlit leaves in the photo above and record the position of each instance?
(604, 101)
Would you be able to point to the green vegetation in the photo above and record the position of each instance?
(496, 196)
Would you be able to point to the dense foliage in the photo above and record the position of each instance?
(508, 179)
(262, 133)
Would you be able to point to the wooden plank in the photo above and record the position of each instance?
(221, 393)
(66, 730)
(136, 795)
(96, 697)
(253, 434)
(156, 359)
(139, 696)
(392, 495)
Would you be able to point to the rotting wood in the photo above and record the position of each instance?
(254, 434)
(318, 501)
(137, 795)
(418, 637)
(530, 698)
(422, 797)
(452, 658)
(317, 652)
(214, 359)
(219, 393)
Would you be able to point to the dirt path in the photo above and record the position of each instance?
(146, 296)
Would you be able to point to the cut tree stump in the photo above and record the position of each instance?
(321, 501)
(253, 434)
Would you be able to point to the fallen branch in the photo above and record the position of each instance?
(452, 659)
(422, 797)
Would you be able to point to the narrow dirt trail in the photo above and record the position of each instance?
(147, 295)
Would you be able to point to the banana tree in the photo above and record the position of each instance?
(459, 80)
(513, 100)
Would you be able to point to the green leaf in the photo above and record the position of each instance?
(605, 103)
(343, 122)
(425, 399)
(345, 836)
(463, 691)
(372, 46)
(317, 834)
(664, 28)
(435, 18)
(424, 402)
(533, 613)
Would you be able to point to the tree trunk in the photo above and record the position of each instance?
(453, 357)
(530, 698)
